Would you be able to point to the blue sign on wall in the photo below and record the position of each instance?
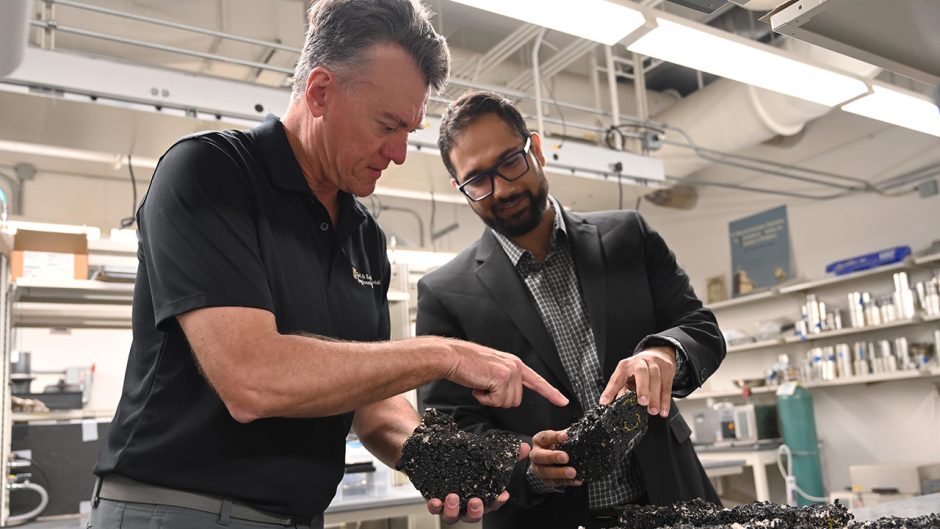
(760, 251)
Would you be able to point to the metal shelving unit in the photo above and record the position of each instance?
(792, 343)
(79, 291)
(85, 304)
(74, 303)
(6, 422)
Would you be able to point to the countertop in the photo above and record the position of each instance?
(909, 508)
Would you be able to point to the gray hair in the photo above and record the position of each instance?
(341, 32)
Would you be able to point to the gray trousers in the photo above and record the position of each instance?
(110, 514)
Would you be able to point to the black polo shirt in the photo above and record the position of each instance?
(230, 221)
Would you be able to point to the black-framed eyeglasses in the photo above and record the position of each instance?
(510, 168)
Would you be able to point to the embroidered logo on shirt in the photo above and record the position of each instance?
(364, 279)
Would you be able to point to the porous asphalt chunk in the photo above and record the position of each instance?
(440, 459)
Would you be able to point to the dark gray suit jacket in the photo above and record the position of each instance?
(632, 289)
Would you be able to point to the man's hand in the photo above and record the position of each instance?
(550, 464)
(449, 509)
(649, 373)
(497, 378)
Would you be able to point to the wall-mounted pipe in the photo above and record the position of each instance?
(537, 81)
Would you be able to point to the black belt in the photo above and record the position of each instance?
(119, 488)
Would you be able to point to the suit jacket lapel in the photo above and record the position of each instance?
(589, 261)
(501, 279)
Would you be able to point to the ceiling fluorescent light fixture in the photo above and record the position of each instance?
(597, 20)
(898, 108)
(759, 65)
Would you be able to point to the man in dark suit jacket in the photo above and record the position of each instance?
(595, 303)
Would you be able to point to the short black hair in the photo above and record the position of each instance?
(465, 110)
(341, 32)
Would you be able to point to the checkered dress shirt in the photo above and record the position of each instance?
(553, 285)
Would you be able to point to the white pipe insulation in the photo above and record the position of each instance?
(729, 116)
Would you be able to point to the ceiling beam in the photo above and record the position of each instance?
(472, 70)
(561, 60)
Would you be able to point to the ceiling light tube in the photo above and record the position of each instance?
(727, 55)
(598, 20)
(898, 107)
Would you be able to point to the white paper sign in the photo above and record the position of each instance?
(48, 265)
(89, 430)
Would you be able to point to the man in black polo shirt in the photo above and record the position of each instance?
(260, 304)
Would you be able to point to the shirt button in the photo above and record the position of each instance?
(324, 226)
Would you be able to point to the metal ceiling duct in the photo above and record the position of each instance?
(728, 116)
(14, 21)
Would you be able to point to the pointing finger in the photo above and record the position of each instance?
(535, 382)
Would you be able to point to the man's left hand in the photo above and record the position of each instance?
(649, 373)
(449, 509)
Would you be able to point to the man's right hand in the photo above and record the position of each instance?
(497, 378)
(550, 465)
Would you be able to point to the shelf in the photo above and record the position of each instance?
(55, 315)
(803, 286)
(855, 330)
(849, 381)
(755, 345)
(743, 300)
(397, 295)
(62, 415)
(927, 259)
(789, 340)
(810, 285)
(73, 291)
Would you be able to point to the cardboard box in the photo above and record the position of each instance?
(909, 478)
(49, 255)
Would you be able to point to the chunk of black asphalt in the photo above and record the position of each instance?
(927, 521)
(440, 459)
(699, 514)
(604, 436)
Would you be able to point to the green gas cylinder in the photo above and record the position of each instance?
(797, 421)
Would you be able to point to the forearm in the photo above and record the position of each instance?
(384, 426)
(259, 372)
(299, 376)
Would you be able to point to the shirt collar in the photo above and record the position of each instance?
(515, 253)
(285, 172)
(283, 167)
